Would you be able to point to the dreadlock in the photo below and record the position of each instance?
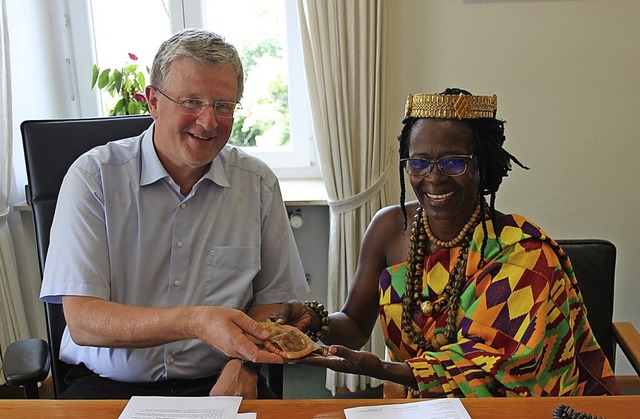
(494, 162)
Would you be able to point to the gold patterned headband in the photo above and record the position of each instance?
(427, 105)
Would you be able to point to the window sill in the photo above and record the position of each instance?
(303, 192)
(300, 192)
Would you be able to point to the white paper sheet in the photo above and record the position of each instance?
(427, 409)
(181, 408)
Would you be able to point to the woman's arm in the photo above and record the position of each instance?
(353, 324)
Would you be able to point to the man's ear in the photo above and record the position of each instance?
(152, 100)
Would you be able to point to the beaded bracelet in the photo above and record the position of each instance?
(324, 320)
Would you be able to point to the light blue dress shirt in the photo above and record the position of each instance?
(123, 232)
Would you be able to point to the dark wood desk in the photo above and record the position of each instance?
(623, 407)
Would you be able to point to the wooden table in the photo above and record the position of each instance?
(611, 407)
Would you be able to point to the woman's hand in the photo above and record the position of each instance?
(343, 359)
(296, 314)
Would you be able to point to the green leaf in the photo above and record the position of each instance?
(111, 89)
(94, 75)
(141, 81)
(103, 80)
(131, 68)
(134, 108)
(117, 80)
(120, 108)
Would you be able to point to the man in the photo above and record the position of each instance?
(161, 241)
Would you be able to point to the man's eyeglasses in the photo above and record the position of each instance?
(448, 165)
(195, 107)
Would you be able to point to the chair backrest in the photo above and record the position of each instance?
(594, 263)
(50, 147)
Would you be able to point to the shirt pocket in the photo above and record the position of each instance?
(229, 275)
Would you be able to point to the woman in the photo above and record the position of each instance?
(473, 302)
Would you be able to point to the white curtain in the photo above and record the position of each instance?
(342, 43)
(13, 320)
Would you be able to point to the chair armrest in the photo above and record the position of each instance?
(629, 341)
(26, 362)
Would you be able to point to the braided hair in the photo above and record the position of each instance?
(494, 162)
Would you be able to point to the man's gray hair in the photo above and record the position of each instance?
(198, 44)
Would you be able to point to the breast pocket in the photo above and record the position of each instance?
(230, 273)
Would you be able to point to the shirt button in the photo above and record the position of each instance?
(179, 243)
(171, 360)
(183, 205)
(176, 283)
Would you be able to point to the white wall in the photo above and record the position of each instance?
(567, 76)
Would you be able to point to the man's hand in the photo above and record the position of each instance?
(236, 379)
(233, 333)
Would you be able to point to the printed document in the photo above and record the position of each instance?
(219, 407)
(428, 409)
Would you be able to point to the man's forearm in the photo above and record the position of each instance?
(96, 322)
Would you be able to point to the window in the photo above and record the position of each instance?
(275, 123)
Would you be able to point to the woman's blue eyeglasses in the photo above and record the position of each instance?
(448, 165)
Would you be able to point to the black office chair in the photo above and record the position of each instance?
(594, 263)
(50, 147)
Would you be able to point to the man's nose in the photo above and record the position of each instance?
(208, 119)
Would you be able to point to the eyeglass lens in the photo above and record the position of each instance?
(450, 166)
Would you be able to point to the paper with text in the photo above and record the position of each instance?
(428, 409)
(181, 408)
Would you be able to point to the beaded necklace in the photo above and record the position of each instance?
(451, 293)
(456, 240)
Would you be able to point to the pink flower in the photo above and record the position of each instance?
(133, 56)
(139, 97)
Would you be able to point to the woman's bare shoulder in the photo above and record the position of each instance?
(386, 240)
(388, 224)
(392, 215)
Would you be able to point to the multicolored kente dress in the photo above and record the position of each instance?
(522, 325)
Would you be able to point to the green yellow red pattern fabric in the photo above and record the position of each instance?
(522, 325)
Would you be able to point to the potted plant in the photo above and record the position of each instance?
(125, 85)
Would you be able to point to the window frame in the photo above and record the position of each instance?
(299, 161)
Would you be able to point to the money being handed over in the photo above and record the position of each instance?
(290, 342)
